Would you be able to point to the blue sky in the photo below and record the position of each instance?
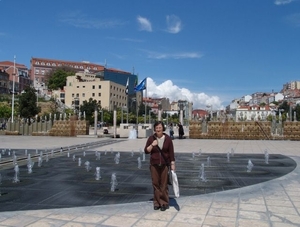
(206, 51)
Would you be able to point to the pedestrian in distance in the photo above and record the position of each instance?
(180, 131)
(171, 130)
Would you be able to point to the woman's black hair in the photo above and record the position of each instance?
(160, 123)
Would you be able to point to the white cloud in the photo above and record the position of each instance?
(127, 39)
(283, 2)
(173, 24)
(79, 20)
(168, 90)
(144, 24)
(182, 55)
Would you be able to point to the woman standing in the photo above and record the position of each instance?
(160, 147)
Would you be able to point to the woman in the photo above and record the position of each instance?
(160, 147)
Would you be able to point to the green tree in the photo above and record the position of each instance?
(5, 110)
(89, 108)
(57, 78)
(285, 107)
(297, 109)
(27, 104)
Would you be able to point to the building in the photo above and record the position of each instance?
(84, 86)
(4, 82)
(199, 114)
(158, 104)
(122, 77)
(21, 79)
(40, 67)
(253, 113)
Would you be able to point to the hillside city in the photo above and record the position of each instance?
(113, 88)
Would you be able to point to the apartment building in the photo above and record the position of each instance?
(253, 113)
(21, 78)
(4, 82)
(85, 85)
(40, 67)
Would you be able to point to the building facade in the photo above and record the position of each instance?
(21, 78)
(84, 85)
(253, 113)
(40, 67)
(4, 82)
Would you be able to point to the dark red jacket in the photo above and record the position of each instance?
(167, 151)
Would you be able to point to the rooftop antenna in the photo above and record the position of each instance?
(105, 64)
(133, 70)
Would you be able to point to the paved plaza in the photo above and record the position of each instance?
(272, 203)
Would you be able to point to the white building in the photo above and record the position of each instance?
(84, 86)
(253, 113)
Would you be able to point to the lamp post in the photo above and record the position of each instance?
(101, 111)
(95, 120)
(127, 115)
(159, 111)
(181, 105)
(114, 115)
(115, 121)
(13, 92)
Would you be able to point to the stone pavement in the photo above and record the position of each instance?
(272, 203)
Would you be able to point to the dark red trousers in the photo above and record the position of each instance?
(159, 175)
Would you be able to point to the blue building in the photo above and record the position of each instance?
(121, 77)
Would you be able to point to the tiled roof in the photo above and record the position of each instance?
(10, 63)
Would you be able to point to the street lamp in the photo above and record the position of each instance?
(159, 111)
(114, 115)
(13, 92)
(181, 105)
(95, 119)
(126, 109)
(101, 111)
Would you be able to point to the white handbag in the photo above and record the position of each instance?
(175, 184)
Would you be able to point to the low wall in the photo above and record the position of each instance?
(245, 130)
(72, 127)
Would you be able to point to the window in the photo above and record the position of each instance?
(37, 71)
(99, 94)
(83, 94)
(77, 86)
(73, 95)
(77, 95)
(99, 86)
(93, 94)
(83, 86)
(93, 87)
